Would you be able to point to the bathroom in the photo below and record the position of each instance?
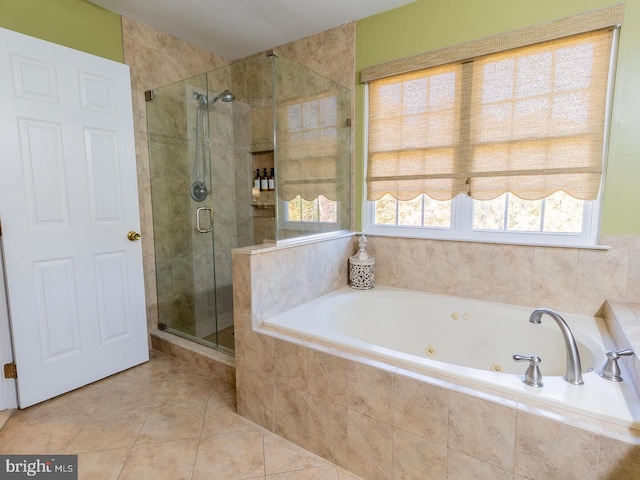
(524, 275)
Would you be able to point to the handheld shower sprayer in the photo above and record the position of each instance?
(198, 189)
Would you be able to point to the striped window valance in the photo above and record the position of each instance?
(493, 116)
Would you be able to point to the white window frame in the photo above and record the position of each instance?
(461, 228)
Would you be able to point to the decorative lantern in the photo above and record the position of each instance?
(361, 267)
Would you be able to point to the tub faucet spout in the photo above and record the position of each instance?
(574, 367)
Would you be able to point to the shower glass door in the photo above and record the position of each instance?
(192, 252)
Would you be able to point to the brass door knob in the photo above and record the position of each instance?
(133, 236)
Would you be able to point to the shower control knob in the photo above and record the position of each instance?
(133, 236)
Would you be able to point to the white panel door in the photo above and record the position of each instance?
(68, 197)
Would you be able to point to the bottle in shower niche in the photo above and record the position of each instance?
(271, 181)
(256, 180)
(264, 182)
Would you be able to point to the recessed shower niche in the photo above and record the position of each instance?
(210, 137)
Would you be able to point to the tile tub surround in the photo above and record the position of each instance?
(382, 421)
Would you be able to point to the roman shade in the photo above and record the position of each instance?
(526, 119)
(311, 146)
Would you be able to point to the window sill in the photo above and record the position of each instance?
(377, 233)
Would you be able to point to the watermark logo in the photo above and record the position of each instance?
(41, 467)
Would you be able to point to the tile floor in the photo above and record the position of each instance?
(164, 419)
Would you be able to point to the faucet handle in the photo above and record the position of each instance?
(610, 369)
(532, 376)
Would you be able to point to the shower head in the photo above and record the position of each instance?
(201, 98)
(225, 96)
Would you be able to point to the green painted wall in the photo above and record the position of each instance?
(76, 24)
(431, 24)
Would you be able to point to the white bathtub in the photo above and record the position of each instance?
(470, 340)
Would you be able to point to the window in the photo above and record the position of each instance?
(310, 146)
(505, 146)
(318, 210)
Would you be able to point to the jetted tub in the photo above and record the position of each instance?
(471, 340)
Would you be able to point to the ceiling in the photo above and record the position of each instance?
(236, 28)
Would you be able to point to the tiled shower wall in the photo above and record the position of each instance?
(156, 59)
(382, 422)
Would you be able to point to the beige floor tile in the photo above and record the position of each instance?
(346, 475)
(318, 473)
(102, 465)
(13, 424)
(161, 461)
(4, 416)
(80, 403)
(184, 388)
(222, 389)
(221, 417)
(280, 455)
(164, 419)
(230, 456)
(50, 435)
(130, 392)
(103, 431)
(169, 422)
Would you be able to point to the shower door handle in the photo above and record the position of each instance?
(200, 229)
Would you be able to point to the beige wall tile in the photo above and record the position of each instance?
(462, 467)
(369, 447)
(555, 273)
(441, 267)
(241, 283)
(292, 414)
(538, 438)
(328, 430)
(327, 377)
(370, 392)
(415, 458)
(618, 459)
(256, 351)
(290, 364)
(255, 397)
(483, 430)
(420, 409)
(476, 264)
(602, 274)
(385, 251)
(513, 270)
(567, 279)
(633, 279)
(412, 268)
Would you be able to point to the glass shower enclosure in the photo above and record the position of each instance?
(209, 137)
